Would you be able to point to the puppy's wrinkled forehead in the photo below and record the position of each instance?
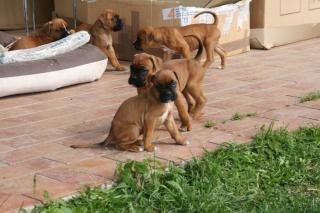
(142, 59)
(109, 14)
(144, 32)
(58, 22)
(165, 76)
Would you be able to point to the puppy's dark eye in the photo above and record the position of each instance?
(172, 84)
(138, 69)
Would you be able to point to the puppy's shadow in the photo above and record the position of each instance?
(163, 142)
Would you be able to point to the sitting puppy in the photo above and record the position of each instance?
(50, 32)
(173, 38)
(151, 109)
(109, 21)
(188, 73)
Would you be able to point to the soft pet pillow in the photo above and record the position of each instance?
(84, 64)
(6, 39)
(61, 46)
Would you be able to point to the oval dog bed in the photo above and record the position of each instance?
(52, 49)
(84, 64)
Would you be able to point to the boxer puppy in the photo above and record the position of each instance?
(50, 32)
(189, 74)
(109, 21)
(173, 38)
(152, 108)
(142, 68)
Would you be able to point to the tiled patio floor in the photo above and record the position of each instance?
(36, 130)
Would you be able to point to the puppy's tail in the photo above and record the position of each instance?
(200, 47)
(216, 19)
(104, 143)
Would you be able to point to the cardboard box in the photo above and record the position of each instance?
(234, 23)
(12, 13)
(280, 22)
(234, 19)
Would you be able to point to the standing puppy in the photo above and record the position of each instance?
(188, 73)
(50, 32)
(109, 21)
(174, 38)
(151, 109)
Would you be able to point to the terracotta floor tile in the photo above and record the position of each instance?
(15, 101)
(233, 102)
(68, 156)
(14, 202)
(34, 186)
(245, 124)
(288, 113)
(73, 177)
(181, 153)
(124, 156)
(10, 122)
(311, 104)
(5, 148)
(98, 166)
(28, 153)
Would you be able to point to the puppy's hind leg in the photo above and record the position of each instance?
(191, 103)
(183, 114)
(220, 51)
(200, 98)
(127, 138)
(210, 47)
(131, 146)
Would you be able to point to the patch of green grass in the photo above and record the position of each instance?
(209, 124)
(311, 96)
(278, 172)
(238, 116)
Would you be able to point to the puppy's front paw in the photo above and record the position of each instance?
(185, 128)
(197, 115)
(183, 142)
(221, 67)
(120, 68)
(150, 148)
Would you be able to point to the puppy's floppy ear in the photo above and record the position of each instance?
(65, 24)
(149, 36)
(156, 62)
(102, 19)
(152, 79)
(48, 26)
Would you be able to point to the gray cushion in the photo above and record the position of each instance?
(6, 39)
(85, 64)
(83, 55)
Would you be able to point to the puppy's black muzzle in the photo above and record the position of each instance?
(137, 76)
(119, 24)
(64, 32)
(137, 44)
(167, 92)
(168, 96)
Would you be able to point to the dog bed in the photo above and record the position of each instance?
(61, 46)
(84, 64)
